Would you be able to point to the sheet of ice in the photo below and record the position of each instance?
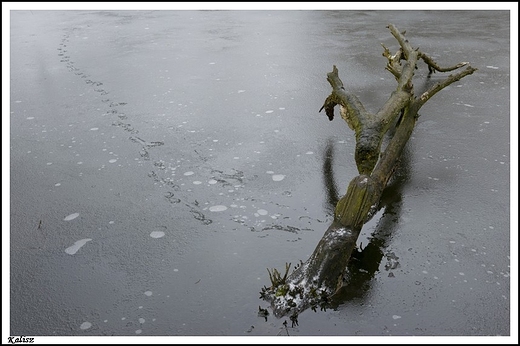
(71, 250)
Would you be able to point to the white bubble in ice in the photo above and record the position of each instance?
(85, 325)
(148, 293)
(309, 153)
(112, 161)
(217, 208)
(396, 317)
(157, 234)
(71, 217)
(30, 118)
(94, 129)
(278, 177)
(141, 320)
(269, 172)
(138, 331)
(212, 181)
(267, 112)
(196, 182)
(262, 211)
(189, 173)
(71, 250)
(57, 184)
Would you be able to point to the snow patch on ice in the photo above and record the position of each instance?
(71, 217)
(217, 208)
(85, 325)
(157, 234)
(71, 250)
(278, 177)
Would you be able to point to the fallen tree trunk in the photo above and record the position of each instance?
(313, 283)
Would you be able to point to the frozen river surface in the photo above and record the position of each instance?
(162, 160)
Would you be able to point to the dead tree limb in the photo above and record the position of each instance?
(314, 281)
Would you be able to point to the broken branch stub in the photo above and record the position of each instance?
(311, 283)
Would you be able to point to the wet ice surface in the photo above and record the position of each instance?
(189, 148)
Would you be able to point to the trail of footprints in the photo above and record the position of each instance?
(120, 119)
(113, 109)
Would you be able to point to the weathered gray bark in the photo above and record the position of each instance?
(321, 275)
